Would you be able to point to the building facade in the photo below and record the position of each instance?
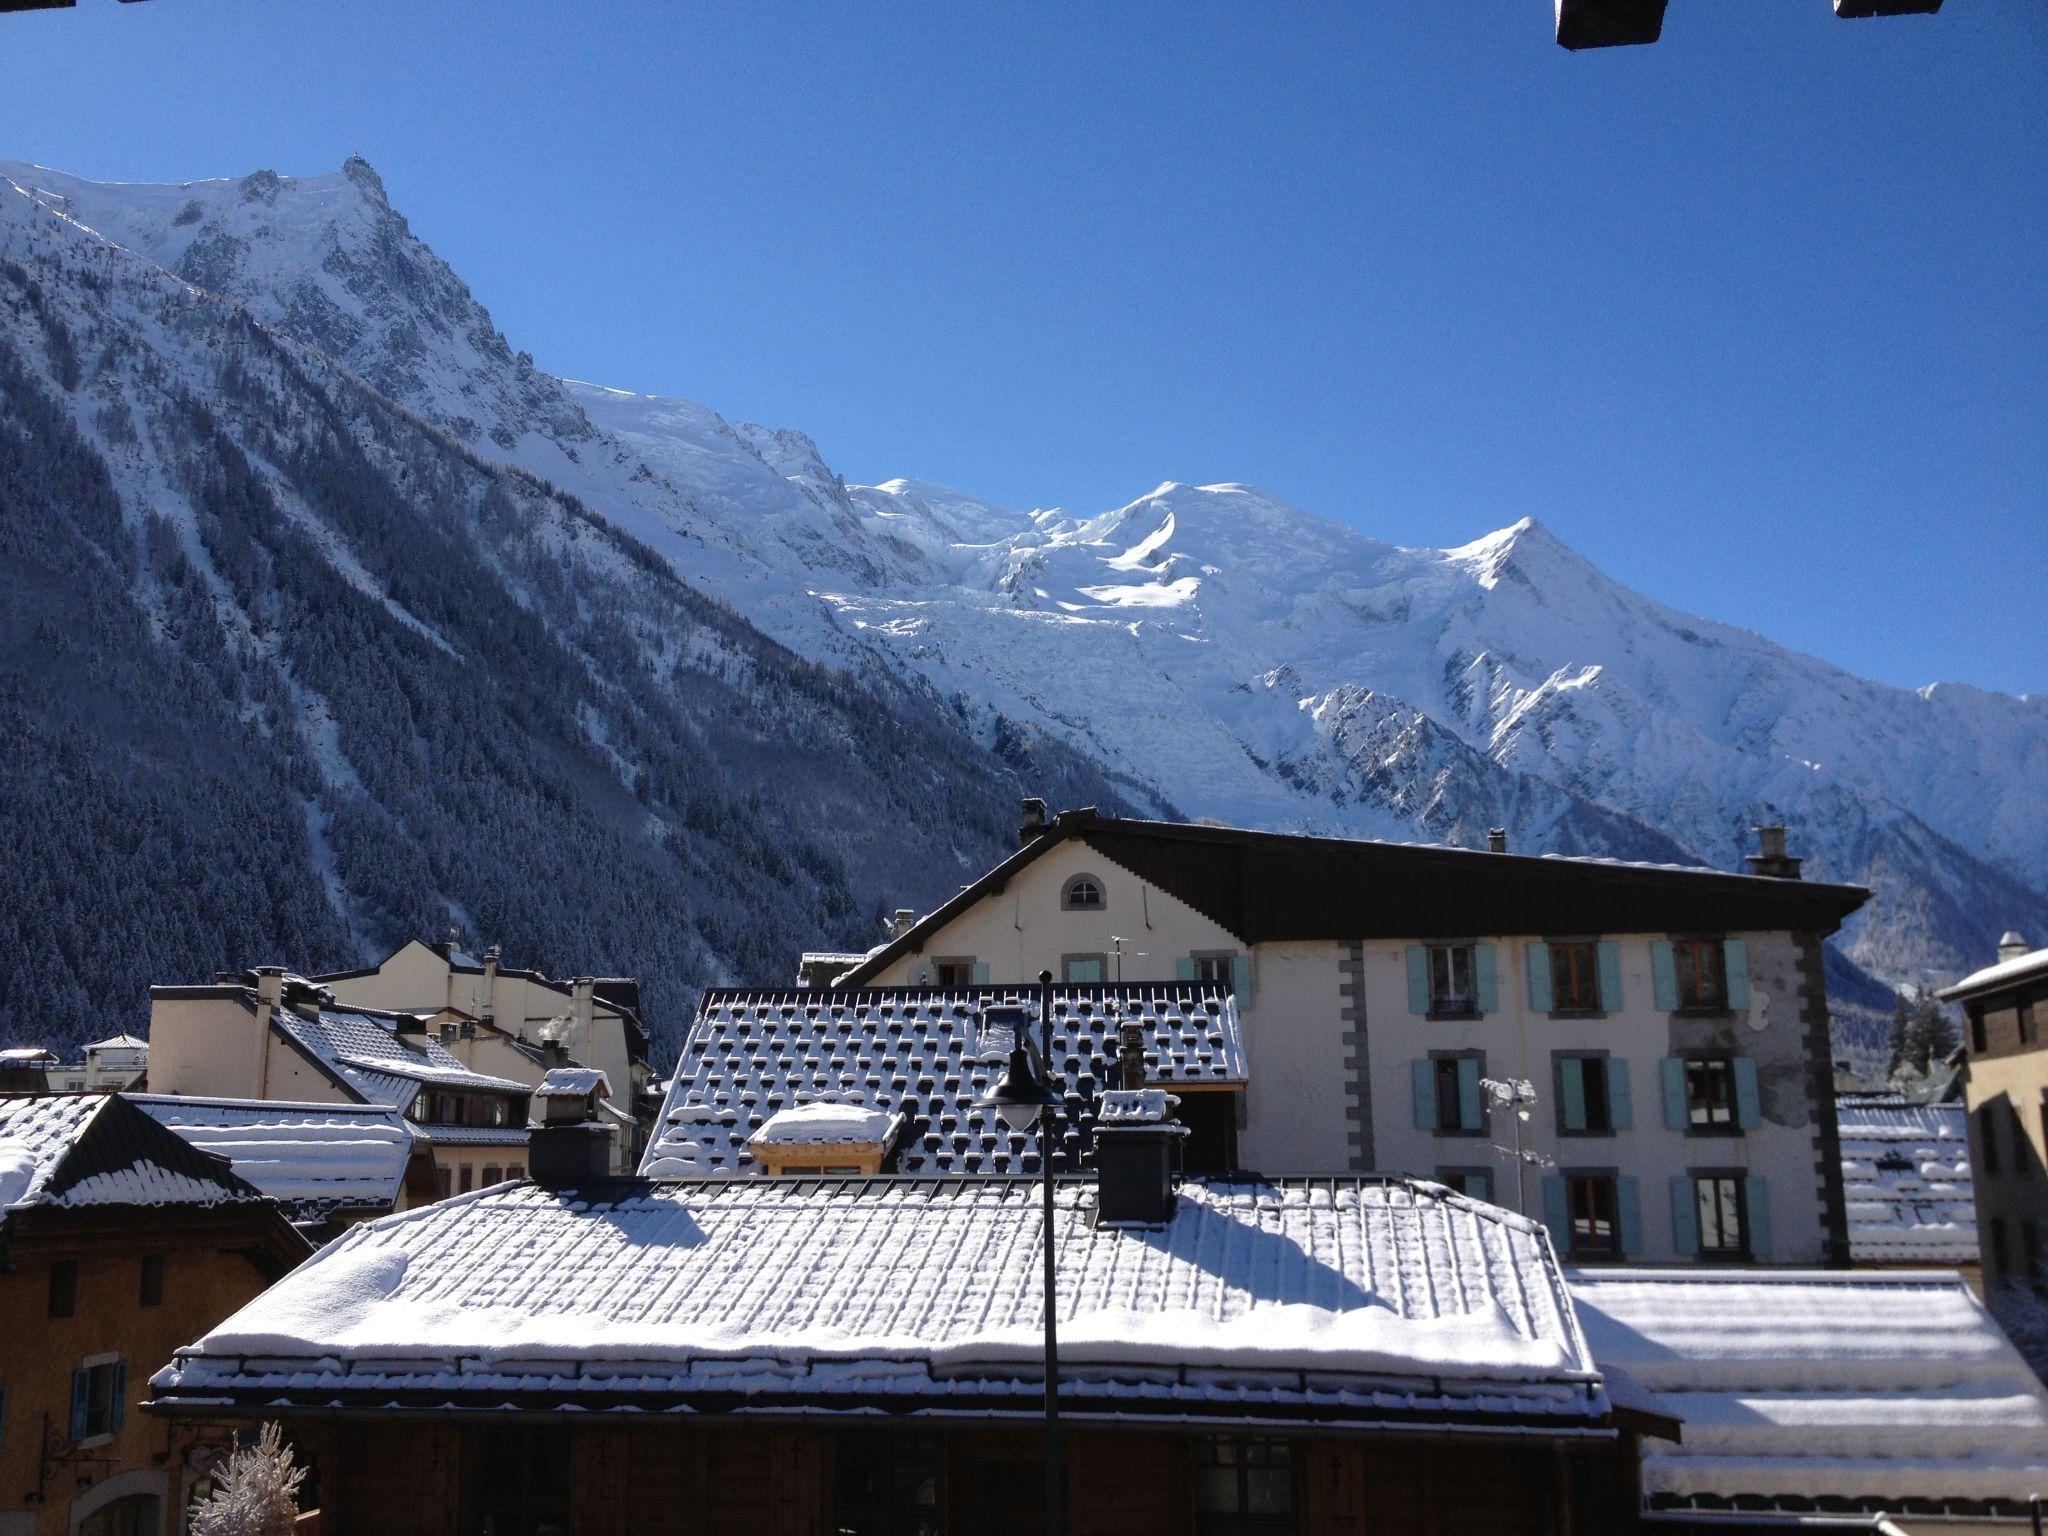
(2005, 1092)
(118, 1243)
(1670, 1024)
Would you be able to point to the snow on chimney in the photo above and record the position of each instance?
(1032, 824)
(1136, 1145)
(1496, 839)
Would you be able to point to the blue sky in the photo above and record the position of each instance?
(1757, 319)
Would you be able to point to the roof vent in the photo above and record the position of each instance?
(1496, 839)
(2011, 946)
(1137, 1142)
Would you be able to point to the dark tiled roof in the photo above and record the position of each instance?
(97, 1149)
(1352, 1300)
(361, 1048)
(919, 1051)
(1268, 887)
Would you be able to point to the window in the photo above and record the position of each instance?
(468, 1178)
(1450, 1098)
(1083, 893)
(1216, 967)
(1998, 1266)
(953, 973)
(1575, 977)
(152, 1279)
(1987, 1151)
(1584, 1096)
(1596, 1224)
(99, 1390)
(1474, 1183)
(447, 1182)
(491, 1175)
(2026, 1023)
(1710, 1094)
(63, 1287)
(516, 1171)
(886, 1484)
(523, 1482)
(1977, 1044)
(1451, 988)
(1702, 973)
(1085, 970)
(1243, 1484)
(2030, 1249)
(1717, 1204)
(136, 1515)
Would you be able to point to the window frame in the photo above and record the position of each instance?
(1240, 1519)
(964, 964)
(1454, 1178)
(1444, 1067)
(1070, 890)
(99, 1368)
(1610, 1179)
(1721, 1252)
(1444, 1004)
(150, 1292)
(1731, 1125)
(1559, 1008)
(1604, 1100)
(1101, 959)
(1226, 959)
(1683, 945)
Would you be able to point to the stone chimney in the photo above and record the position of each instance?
(269, 980)
(1130, 1056)
(567, 1145)
(1137, 1144)
(1771, 859)
(901, 921)
(1032, 825)
(2011, 946)
(1496, 839)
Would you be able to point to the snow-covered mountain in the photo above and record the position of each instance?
(1212, 649)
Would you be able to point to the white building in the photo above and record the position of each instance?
(1671, 1021)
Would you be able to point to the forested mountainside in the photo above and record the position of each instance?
(287, 675)
(1208, 649)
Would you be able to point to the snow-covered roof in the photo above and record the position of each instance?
(119, 1043)
(1355, 1300)
(824, 1122)
(26, 1055)
(918, 1052)
(2004, 974)
(92, 1149)
(575, 1082)
(362, 1048)
(313, 1159)
(1906, 1178)
(1885, 1389)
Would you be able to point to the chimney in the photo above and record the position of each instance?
(491, 957)
(410, 1027)
(1771, 859)
(1033, 823)
(1496, 839)
(582, 1000)
(901, 921)
(1130, 1056)
(566, 1144)
(2011, 946)
(1137, 1142)
(269, 981)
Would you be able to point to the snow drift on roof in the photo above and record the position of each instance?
(1906, 1180)
(313, 1159)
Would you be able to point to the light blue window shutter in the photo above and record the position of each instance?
(1685, 1216)
(1631, 1213)
(1674, 1094)
(1610, 975)
(1479, 1185)
(1756, 1206)
(81, 1402)
(1540, 1000)
(1748, 1113)
(1425, 1095)
(1571, 1077)
(120, 1394)
(1735, 962)
(1468, 1095)
(1664, 974)
(1184, 968)
(1488, 980)
(1241, 979)
(981, 973)
(1418, 979)
(1557, 1213)
(1621, 1113)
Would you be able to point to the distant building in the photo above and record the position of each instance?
(1671, 1022)
(119, 1241)
(274, 1036)
(1906, 1179)
(509, 1022)
(2005, 1086)
(865, 1355)
(110, 1066)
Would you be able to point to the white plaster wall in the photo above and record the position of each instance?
(204, 1045)
(1019, 931)
(1298, 1096)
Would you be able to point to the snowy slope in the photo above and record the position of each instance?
(1211, 647)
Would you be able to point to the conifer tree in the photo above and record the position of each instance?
(257, 1492)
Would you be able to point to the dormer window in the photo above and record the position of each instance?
(1083, 893)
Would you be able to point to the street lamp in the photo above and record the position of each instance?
(1023, 1098)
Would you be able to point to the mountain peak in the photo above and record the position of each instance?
(364, 175)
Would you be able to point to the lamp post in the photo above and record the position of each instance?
(1022, 1098)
